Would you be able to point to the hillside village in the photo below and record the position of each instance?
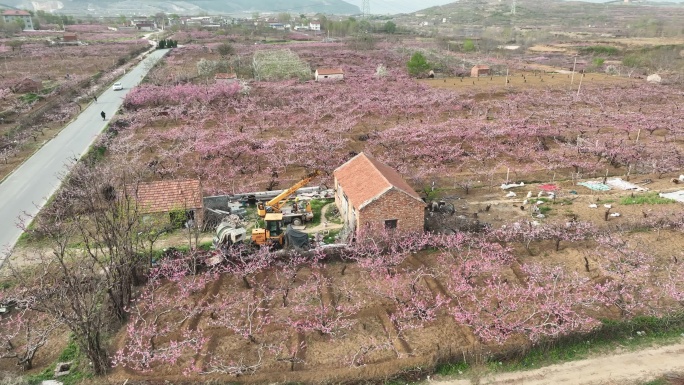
(311, 198)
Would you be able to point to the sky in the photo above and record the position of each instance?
(406, 6)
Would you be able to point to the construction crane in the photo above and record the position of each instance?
(275, 205)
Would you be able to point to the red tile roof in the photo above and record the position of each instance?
(15, 12)
(225, 76)
(364, 179)
(167, 195)
(329, 71)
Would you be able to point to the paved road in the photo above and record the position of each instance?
(25, 191)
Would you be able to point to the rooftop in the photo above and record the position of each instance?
(364, 179)
(15, 12)
(168, 195)
(329, 71)
(225, 76)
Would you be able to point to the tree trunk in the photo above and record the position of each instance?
(96, 354)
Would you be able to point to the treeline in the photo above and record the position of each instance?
(167, 43)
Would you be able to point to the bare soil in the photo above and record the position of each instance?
(537, 76)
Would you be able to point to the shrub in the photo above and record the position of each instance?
(468, 46)
(418, 64)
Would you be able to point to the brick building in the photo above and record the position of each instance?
(328, 74)
(173, 197)
(370, 193)
(14, 15)
(222, 77)
(69, 37)
(480, 70)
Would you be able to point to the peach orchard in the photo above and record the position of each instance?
(410, 298)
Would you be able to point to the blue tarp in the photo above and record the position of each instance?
(593, 185)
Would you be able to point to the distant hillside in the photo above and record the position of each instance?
(646, 19)
(116, 7)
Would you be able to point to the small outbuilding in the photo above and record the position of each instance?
(69, 37)
(225, 77)
(480, 70)
(370, 193)
(180, 199)
(323, 74)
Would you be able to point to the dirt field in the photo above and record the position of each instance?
(546, 77)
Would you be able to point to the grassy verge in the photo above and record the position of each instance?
(316, 207)
(332, 215)
(330, 237)
(605, 338)
(650, 198)
(184, 249)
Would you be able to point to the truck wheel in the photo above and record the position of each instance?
(297, 221)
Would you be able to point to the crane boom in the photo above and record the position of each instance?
(277, 203)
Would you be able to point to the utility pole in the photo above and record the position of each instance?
(365, 8)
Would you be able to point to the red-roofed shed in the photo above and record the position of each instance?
(225, 77)
(171, 196)
(329, 74)
(368, 192)
(480, 70)
(69, 37)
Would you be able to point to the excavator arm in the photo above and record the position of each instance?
(279, 201)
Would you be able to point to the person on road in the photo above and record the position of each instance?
(102, 114)
(95, 97)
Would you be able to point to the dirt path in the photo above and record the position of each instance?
(324, 225)
(643, 365)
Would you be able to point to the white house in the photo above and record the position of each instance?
(323, 74)
(315, 25)
(12, 15)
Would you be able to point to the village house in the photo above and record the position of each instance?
(14, 15)
(69, 37)
(480, 70)
(180, 199)
(315, 25)
(369, 193)
(322, 74)
(146, 26)
(225, 77)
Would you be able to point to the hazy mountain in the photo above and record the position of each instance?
(104, 7)
(341, 7)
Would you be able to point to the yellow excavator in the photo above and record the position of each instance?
(275, 220)
(273, 233)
